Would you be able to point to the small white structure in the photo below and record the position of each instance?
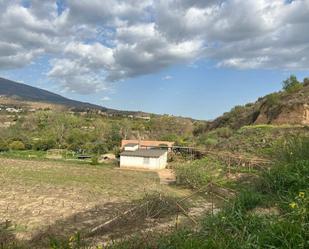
(13, 110)
(133, 157)
(131, 147)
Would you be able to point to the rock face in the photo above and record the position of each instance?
(297, 114)
(278, 109)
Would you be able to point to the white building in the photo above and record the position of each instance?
(13, 110)
(134, 157)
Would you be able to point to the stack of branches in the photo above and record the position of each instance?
(154, 206)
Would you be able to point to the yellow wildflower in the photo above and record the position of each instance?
(301, 194)
(293, 205)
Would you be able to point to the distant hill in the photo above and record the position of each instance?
(20, 91)
(284, 107)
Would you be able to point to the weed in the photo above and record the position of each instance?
(198, 173)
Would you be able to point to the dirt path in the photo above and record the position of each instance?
(167, 176)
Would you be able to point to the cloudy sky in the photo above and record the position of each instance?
(193, 58)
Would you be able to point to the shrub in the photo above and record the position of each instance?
(198, 173)
(94, 160)
(306, 82)
(17, 145)
(224, 132)
(4, 146)
(211, 141)
(291, 84)
(272, 99)
(208, 139)
(44, 144)
(100, 148)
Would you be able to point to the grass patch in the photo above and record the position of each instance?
(24, 154)
(199, 172)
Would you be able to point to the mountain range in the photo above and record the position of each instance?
(25, 92)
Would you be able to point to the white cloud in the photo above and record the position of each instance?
(167, 77)
(94, 43)
(106, 98)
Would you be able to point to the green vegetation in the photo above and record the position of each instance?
(273, 99)
(273, 213)
(90, 133)
(17, 145)
(24, 154)
(292, 84)
(259, 139)
(198, 173)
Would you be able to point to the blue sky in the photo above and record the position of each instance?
(191, 58)
(200, 91)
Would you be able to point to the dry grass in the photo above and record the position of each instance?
(41, 197)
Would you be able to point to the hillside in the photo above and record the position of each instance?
(20, 91)
(290, 106)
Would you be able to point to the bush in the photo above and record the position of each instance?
(272, 99)
(291, 84)
(208, 139)
(306, 82)
(211, 141)
(100, 148)
(44, 144)
(4, 146)
(94, 160)
(198, 173)
(17, 145)
(224, 132)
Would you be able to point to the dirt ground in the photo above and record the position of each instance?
(49, 197)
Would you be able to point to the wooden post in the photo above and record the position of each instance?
(212, 199)
(229, 167)
(177, 217)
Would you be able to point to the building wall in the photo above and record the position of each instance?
(143, 162)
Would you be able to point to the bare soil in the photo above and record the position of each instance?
(43, 198)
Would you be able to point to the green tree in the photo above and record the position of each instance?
(306, 82)
(291, 84)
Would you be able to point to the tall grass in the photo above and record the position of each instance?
(291, 173)
(198, 173)
(293, 149)
(285, 186)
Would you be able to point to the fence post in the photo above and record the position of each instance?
(177, 217)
